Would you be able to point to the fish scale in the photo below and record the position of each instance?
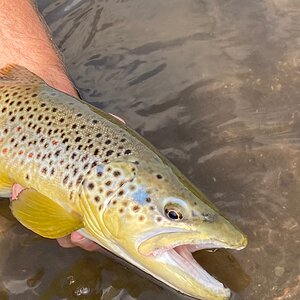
(51, 135)
(82, 169)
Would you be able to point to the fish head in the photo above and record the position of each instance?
(156, 220)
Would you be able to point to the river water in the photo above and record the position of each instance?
(215, 86)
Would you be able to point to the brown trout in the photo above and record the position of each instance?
(83, 169)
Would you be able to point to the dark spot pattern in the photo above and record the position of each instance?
(45, 128)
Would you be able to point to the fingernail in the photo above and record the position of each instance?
(77, 237)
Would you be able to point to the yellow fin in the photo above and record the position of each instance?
(5, 186)
(19, 74)
(44, 216)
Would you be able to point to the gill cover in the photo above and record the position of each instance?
(100, 189)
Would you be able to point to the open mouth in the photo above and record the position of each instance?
(174, 250)
(183, 258)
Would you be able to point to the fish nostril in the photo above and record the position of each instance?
(208, 217)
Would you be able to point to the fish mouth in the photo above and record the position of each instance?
(178, 256)
(183, 258)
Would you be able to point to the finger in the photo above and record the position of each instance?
(66, 242)
(79, 240)
(120, 119)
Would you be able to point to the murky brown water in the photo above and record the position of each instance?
(215, 85)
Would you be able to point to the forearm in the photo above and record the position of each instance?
(24, 40)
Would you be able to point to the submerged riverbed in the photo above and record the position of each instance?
(215, 86)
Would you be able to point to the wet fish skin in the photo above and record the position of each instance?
(83, 169)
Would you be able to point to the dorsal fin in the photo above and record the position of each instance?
(18, 74)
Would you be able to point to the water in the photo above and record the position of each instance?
(215, 86)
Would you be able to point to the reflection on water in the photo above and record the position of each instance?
(215, 86)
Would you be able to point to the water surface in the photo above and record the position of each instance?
(215, 86)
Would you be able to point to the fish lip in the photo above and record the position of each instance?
(191, 239)
(196, 246)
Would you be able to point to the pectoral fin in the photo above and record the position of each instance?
(44, 216)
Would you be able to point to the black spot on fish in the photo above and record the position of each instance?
(109, 152)
(136, 208)
(65, 180)
(79, 180)
(44, 170)
(91, 186)
(116, 173)
(94, 164)
(57, 153)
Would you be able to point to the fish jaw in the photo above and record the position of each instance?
(183, 273)
(175, 267)
(219, 234)
(172, 251)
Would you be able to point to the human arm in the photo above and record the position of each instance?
(24, 40)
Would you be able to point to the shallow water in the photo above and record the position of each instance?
(215, 86)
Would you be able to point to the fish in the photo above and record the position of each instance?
(82, 169)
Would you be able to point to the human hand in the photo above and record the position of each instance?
(75, 239)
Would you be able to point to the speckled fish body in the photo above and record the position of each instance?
(83, 169)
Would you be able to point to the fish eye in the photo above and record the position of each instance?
(173, 212)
